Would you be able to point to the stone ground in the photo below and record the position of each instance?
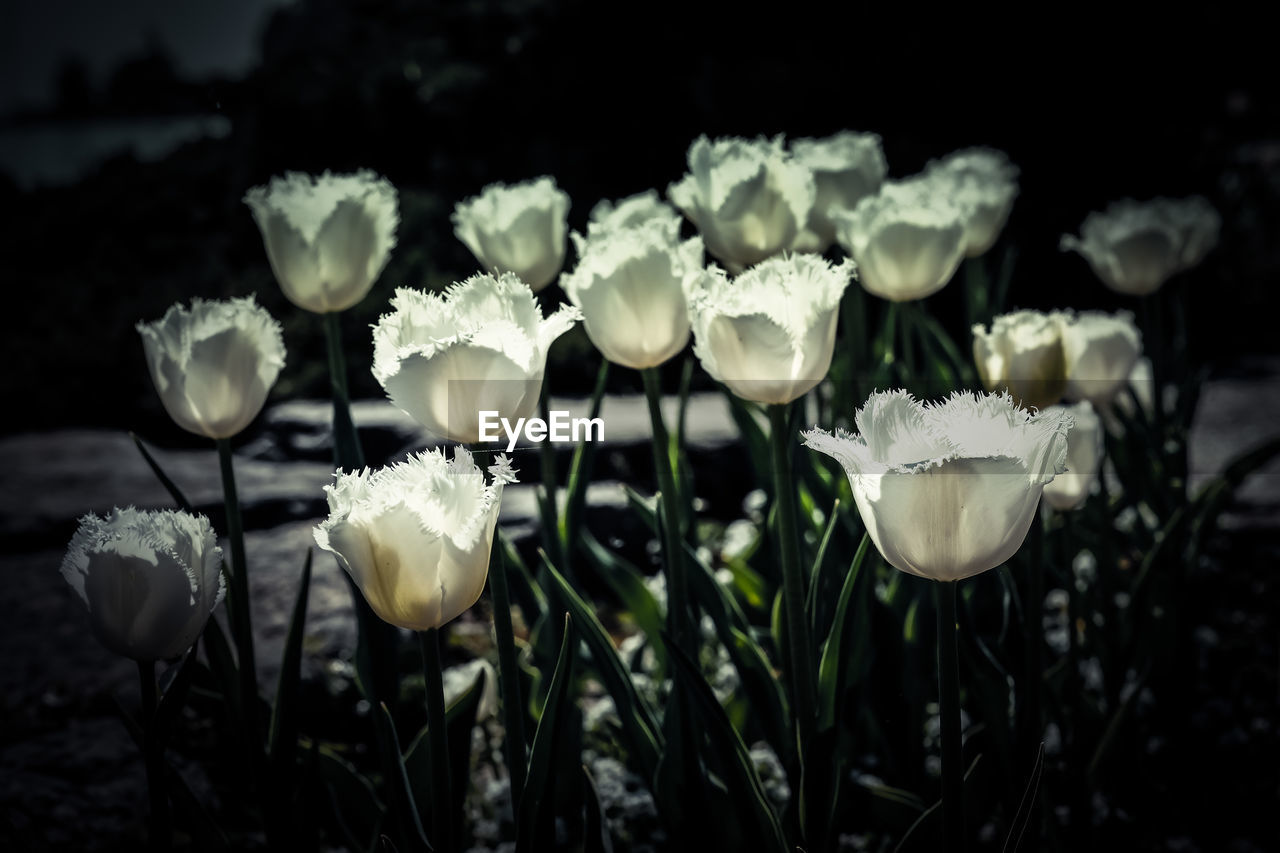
(72, 778)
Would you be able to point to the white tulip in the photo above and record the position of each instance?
(947, 491)
(1134, 247)
(1023, 354)
(1084, 458)
(214, 364)
(632, 284)
(984, 183)
(149, 579)
(415, 537)
(748, 198)
(327, 238)
(1100, 350)
(520, 229)
(908, 239)
(846, 167)
(768, 333)
(482, 346)
(634, 210)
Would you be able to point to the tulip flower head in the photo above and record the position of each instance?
(1084, 457)
(1023, 354)
(768, 333)
(748, 198)
(149, 579)
(415, 537)
(1101, 351)
(846, 167)
(984, 183)
(214, 363)
(630, 212)
(519, 229)
(327, 238)
(632, 284)
(949, 490)
(1134, 247)
(482, 346)
(907, 239)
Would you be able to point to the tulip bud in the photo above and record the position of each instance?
(149, 579)
(632, 284)
(846, 167)
(214, 364)
(1084, 458)
(948, 490)
(907, 239)
(984, 184)
(482, 346)
(327, 238)
(768, 333)
(415, 537)
(1100, 351)
(747, 198)
(1134, 247)
(1023, 354)
(519, 229)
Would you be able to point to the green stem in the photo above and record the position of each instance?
(804, 694)
(242, 627)
(678, 614)
(347, 453)
(949, 710)
(907, 342)
(441, 789)
(509, 675)
(550, 512)
(161, 825)
(1032, 727)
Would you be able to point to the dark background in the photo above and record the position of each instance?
(443, 98)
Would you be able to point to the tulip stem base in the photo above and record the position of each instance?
(949, 711)
(678, 612)
(241, 620)
(161, 825)
(437, 731)
(804, 694)
(509, 675)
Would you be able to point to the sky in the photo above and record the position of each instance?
(204, 37)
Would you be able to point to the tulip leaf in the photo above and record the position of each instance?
(924, 833)
(628, 584)
(740, 778)
(646, 508)
(1026, 808)
(752, 435)
(527, 593)
(406, 809)
(460, 720)
(580, 471)
(815, 574)
(535, 826)
(355, 805)
(175, 693)
(835, 651)
(283, 736)
(204, 830)
(763, 689)
(596, 838)
(174, 492)
(223, 665)
(639, 726)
